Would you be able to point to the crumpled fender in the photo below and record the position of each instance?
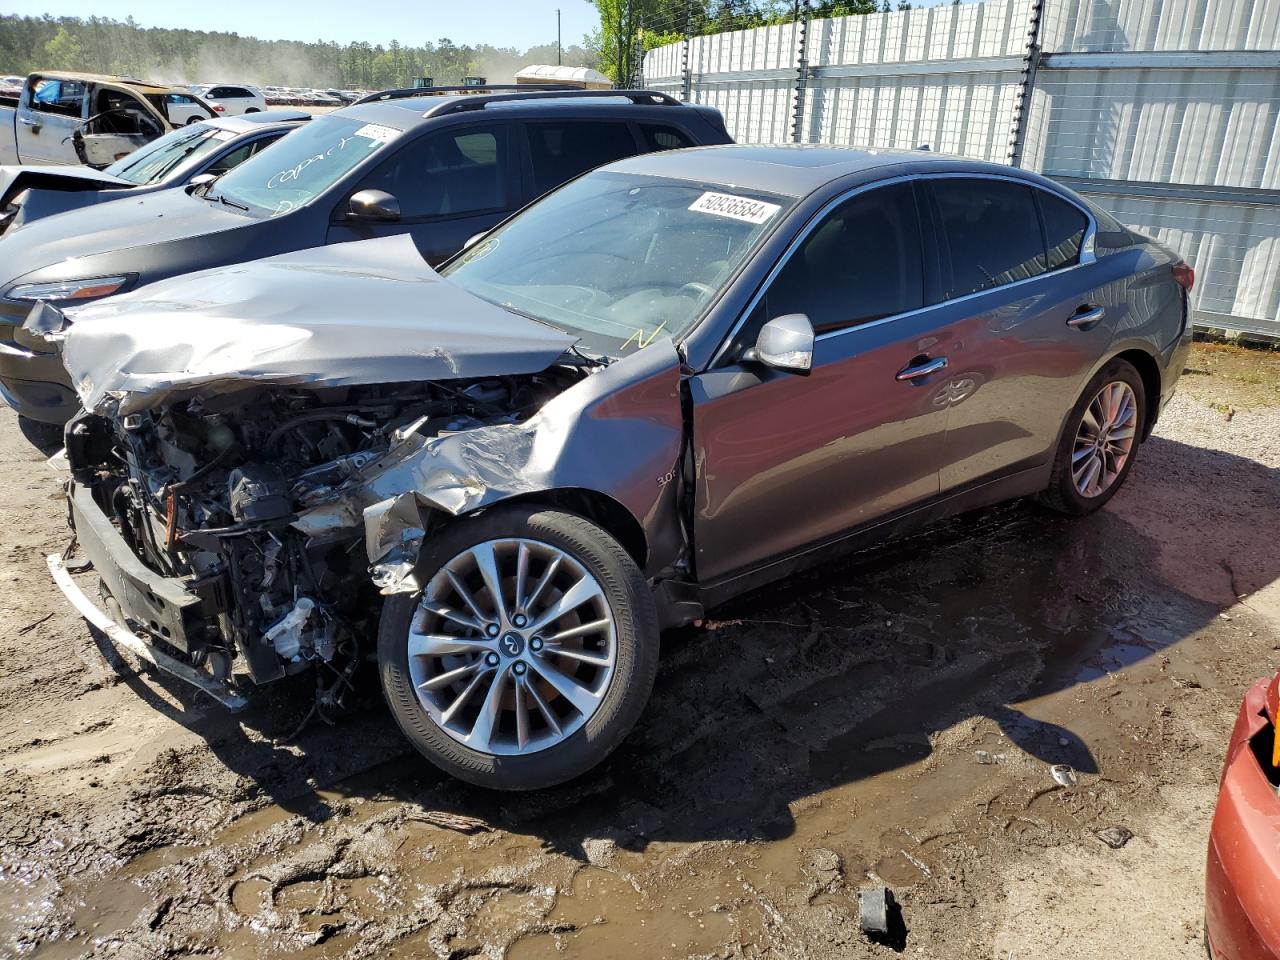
(619, 432)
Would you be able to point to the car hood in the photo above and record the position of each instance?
(104, 228)
(15, 179)
(353, 313)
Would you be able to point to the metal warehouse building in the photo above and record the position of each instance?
(1165, 111)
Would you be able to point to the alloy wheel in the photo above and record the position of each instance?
(1104, 440)
(512, 646)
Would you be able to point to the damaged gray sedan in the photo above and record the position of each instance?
(674, 379)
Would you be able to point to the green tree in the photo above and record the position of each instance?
(64, 51)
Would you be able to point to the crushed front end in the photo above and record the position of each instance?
(199, 517)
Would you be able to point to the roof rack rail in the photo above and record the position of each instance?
(404, 92)
(639, 97)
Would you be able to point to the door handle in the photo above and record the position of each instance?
(29, 121)
(1087, 316)
(923, 369)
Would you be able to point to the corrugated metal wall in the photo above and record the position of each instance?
(1165, 111)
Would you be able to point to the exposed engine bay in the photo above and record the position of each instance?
(209, 491)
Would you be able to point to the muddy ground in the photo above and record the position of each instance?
(891, 718)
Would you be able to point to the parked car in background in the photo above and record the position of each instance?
(210, 147)
(10, 90)
(676, 378)
(440, 168)
(73, 118)
(1242, 914)
(231, 100)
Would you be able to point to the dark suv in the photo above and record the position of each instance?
(441, 167)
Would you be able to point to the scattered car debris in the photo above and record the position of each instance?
(1063, 775)
(1114, 837)
(875, 905)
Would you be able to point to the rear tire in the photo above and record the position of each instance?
(534, 735)
(1090, 465)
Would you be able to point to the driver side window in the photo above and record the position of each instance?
(118, 112)
(452, 173)
(862, 262)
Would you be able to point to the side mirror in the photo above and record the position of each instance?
(201, 180)
(784, 343)
(376, 205)
(473, 240)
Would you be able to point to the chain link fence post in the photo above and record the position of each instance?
(801, 20)
(686, 74)
(1027, 86)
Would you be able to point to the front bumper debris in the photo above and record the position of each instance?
(121, 637)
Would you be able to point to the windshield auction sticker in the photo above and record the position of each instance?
(735, 208)
(378, 133)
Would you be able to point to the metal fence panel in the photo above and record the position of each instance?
(1165, 111)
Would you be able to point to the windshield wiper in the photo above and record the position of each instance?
(222, 199)
(588, 359)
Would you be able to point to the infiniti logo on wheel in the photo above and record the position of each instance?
(512, 645)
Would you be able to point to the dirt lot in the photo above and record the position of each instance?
(893, 717)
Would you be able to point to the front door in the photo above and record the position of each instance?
(786, 460)
(121, 123)
(450, 185)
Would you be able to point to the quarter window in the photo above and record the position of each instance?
(992, 231)
(1064, 228)
(561, 151)
(862, 263)
(659, 136)
(448, 174)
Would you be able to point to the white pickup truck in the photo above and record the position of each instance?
(77, 118)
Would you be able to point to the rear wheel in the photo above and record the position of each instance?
(1100, 441)
(529, 654)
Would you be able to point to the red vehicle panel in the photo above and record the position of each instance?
(1242, 882)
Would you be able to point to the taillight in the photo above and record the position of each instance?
(1184, 276)
(221, 109)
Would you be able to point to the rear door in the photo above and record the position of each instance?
(786, 460)
(451, 184)
(1033, 314)
(51, 114)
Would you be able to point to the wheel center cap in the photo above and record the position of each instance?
(512, 644)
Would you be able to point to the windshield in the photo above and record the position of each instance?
(159, 158)
(619, 259)
(303, 165)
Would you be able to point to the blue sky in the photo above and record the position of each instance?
(502, 23)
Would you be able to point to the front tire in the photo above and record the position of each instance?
(1100, 441)
(529, 654)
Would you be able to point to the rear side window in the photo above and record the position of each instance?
(560, 151)
(1064, 229)
(58, 96)
(659, 136)
(993, 234)
(451, 173)
(862, 263)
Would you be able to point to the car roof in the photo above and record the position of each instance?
(407, 112)
(796, 170)
(256, 121)
(101, 78)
